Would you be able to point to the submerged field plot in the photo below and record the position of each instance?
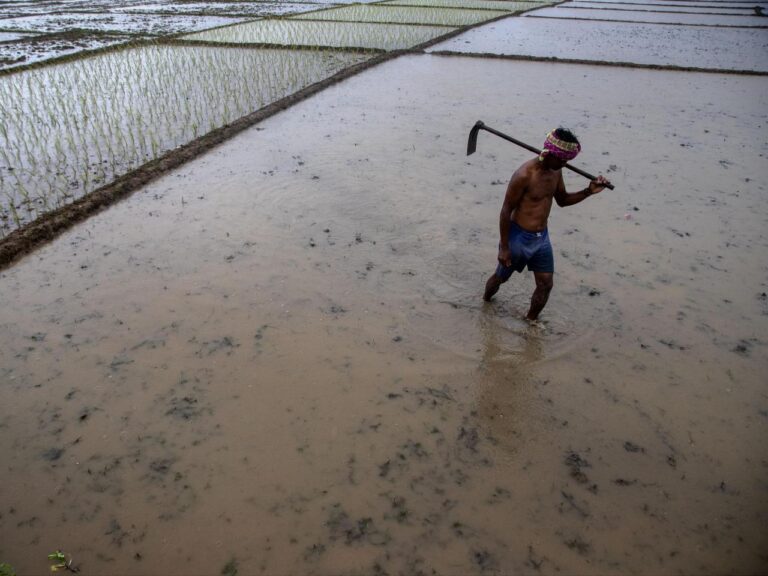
(715, 48)
(405, 15)
(240, 8)
(325, 34)
(277, 357)
(506, 5)
(744, 18)
(70, 128)
(76, 126)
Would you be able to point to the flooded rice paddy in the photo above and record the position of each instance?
(251, 9)
(405, 14)
(32, 32)
(277, 358)
(685, 46)
(743, 18)
(112, 22)
(71, 128)
(294, 32)
(470, 4)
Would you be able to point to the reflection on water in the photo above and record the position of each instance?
(506, 374)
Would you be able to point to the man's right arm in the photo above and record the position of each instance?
(515, 190)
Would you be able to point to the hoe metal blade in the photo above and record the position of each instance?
(472, 142)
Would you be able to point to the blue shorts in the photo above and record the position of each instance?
(531, 249)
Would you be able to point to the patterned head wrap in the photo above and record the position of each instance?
(559, 148)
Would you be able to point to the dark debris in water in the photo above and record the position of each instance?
(579, 545)
(161, 466)
(568, 503)
(53, 454)
(632, 447)
(362, 530)
(576, 463)
(623, 482)
(227, 344)
(116, 532)
(119, 361)
(186, 408)
(312, 553)
(484, 560)
(469, 438)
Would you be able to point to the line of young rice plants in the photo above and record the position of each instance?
(403, 14)
(67, 129)
(289, 32)
(508, 5)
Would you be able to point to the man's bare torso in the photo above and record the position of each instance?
(535, 204)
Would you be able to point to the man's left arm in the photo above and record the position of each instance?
(563, 198)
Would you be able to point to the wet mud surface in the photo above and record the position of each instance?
(144, 24)
(713, 8)
(275, 358)
(650, 44)
(26, 49)
(670, 4)
(240, 8)
(656, 17)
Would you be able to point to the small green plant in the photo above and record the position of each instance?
(230, 568)
(6, 570)
(60, 562)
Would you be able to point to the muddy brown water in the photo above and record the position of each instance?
(277, 355)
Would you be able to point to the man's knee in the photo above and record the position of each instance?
(545, 282)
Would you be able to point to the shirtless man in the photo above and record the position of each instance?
(523, 219)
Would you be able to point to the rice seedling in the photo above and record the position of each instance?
(403, 14)
(68, 129)
(289, 32)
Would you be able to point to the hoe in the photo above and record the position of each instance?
(480, 125)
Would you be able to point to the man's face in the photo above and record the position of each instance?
(553, 163)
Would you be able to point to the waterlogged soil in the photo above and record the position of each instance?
(655, 17)
(651, 44)
(252, 9)
(143, 24)
(26, 50)
(679, 8)
(276, 358)
(714, 4)
(11, 36)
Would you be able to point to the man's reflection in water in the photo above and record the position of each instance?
(506, 376)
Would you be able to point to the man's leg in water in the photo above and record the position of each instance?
(544, 283)
(492, 286)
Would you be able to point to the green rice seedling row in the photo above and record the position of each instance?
(403, 14)
(503, 5)
(68, 129)
(316, 33)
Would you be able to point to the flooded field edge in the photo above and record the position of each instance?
(612, 20)
(26, 239)
(50, 225)
(417, 412)
(557, 60)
